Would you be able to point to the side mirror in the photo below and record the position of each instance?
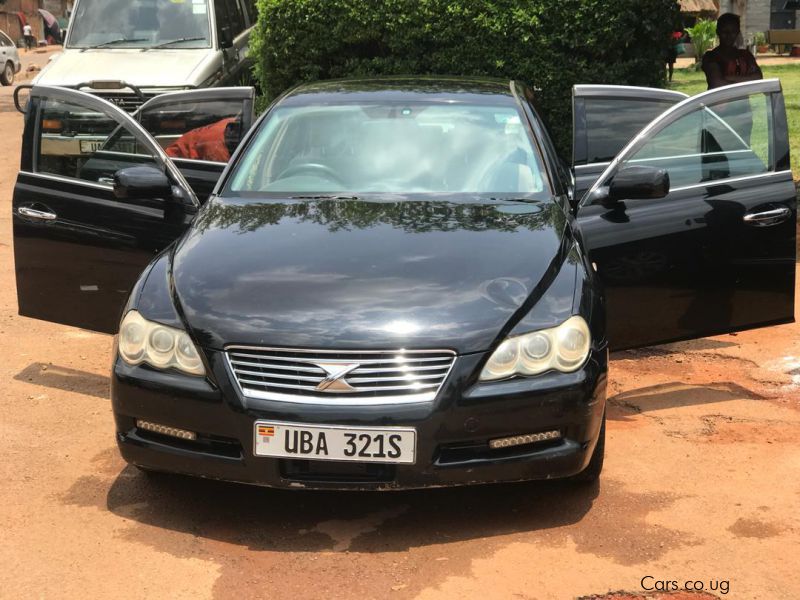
(639, 182)
(225, 37)
(141, 183)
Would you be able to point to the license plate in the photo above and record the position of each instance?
(336, 442)
(90, 146)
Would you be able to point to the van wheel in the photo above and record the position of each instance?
(7, 76)
(592, 471)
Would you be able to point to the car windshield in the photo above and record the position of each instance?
(140, 24)
(394, 148)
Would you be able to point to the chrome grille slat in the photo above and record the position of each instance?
(281, 367)
(309, 376)
(415, 387)
(360, 371)
(282, 376)
(280, 385)
(403, 378)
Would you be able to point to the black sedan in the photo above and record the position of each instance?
(396, 283)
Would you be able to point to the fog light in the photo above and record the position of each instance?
(164, 430)
(521, 440)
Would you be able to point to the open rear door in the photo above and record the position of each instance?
(605, 119)
(717, 253)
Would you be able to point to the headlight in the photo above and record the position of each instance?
(564, 348)
(162, 347)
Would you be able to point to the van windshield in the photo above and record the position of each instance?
(140, 24)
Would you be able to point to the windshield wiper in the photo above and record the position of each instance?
(170, 42)
(112, 42)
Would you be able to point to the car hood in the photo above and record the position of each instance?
(350, 274)
(154, 68)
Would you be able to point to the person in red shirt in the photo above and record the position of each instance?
(215, 142)
(727, 64)
(672, 52)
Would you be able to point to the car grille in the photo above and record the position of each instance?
(127, 102)
(371, 377)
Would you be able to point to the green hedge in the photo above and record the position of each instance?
(551, 44)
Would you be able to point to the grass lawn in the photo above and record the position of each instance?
(692, 82)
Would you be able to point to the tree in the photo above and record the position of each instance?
(703, 34)
(551, 44)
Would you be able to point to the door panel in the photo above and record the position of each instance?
(717, 254)
(78, 249)
(200, 129)
(605, 119)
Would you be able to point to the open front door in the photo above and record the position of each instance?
(199, 130)
(78, 248)
(605, 119)
(717, 253)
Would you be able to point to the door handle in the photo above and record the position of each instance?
(39, 215)
(767, 217)
(107, 180)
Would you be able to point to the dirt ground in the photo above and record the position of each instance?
(700, 486)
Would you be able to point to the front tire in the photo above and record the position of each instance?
(7, 75)
(592, 471)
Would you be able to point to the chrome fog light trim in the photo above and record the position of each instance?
(164, 430)
(521, 440)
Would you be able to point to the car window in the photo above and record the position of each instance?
(719, 141)
(403, 148)
(140, 24)
(4, 41)
(612, 122)
(199, 130)
(85, 144)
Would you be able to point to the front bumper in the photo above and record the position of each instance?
(452, 432)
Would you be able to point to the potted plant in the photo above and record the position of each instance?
(760, 42)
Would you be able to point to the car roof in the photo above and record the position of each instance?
(403, 89)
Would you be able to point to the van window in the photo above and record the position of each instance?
(229, 13)
(140, 24)
(251, 10)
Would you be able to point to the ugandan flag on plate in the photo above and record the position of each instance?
(266, 431)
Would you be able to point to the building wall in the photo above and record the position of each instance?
(9, 22)
(756, 14)
(58, 8)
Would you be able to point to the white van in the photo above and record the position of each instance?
(128, 51)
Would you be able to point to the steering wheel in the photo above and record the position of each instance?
(313, 168)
